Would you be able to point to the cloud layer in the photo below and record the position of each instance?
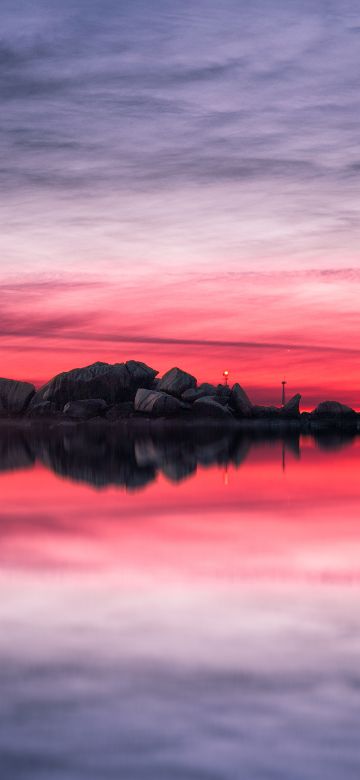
(202, 162)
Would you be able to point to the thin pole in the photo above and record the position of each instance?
(283, 392)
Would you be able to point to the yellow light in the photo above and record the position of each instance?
(226, 373)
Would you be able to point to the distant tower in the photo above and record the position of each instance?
(283, 392)
(226, 376)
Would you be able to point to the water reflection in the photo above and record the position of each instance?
(133, 458)
(190, 630)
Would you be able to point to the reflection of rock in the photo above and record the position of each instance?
(111, 383)
(178, 469)
(131, 457)
(15, 396)
(334, 440)
(85, 410)
(240, 401)
(176, 382)
(15, 451)
(210, 407)
(157, 404)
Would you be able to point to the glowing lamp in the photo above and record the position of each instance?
(226, 376)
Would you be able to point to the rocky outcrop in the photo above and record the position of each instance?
(240, 401)
(85, 410)
(210, 407)
(112, 383)
(42, 409)
(263, 412)
(205, 389)
(176, 382)
(15, 396)
(333, 409)
(223, 394)
(292, 407)
(157, 404)
(120, 411)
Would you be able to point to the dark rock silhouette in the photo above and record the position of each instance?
(157, 404)
(122, 411)
(205, 389)
(111, 383)
(176, 382)
(223, 394)
(44, 409)
(132, 391)
(240, 401)
(292, 407)
(85, 410)
(131, 457)
(210, 407)
(262, 412)
(333, 408)
(15, 396)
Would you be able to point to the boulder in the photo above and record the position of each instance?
(85, 410)
(264, 412)
(175, 382)
(292, 407)
(157, 404)
(210, 407)
(42, 409)
(15, 396)
(189, 396)
(240, 401)
(333, 409)
(120, 411)
(111, 383)
(223, 394)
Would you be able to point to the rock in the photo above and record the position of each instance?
(15, 396)
(210, 407)
(85, 410)
(175, 382)
(157, 404)
(240, 401)
(291, 408)
(43, 409)
(333, 409)
(264, 412)
(111, 383)
(223, 394)
(120, 411)
(189, 396)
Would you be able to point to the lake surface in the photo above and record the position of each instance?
(178, 608)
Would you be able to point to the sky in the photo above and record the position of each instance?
(179, 184)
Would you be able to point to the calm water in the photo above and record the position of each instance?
(176, 609)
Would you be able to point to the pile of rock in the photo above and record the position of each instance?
(133, 389)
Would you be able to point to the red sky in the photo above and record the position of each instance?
(182, 188)
(262, 326)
